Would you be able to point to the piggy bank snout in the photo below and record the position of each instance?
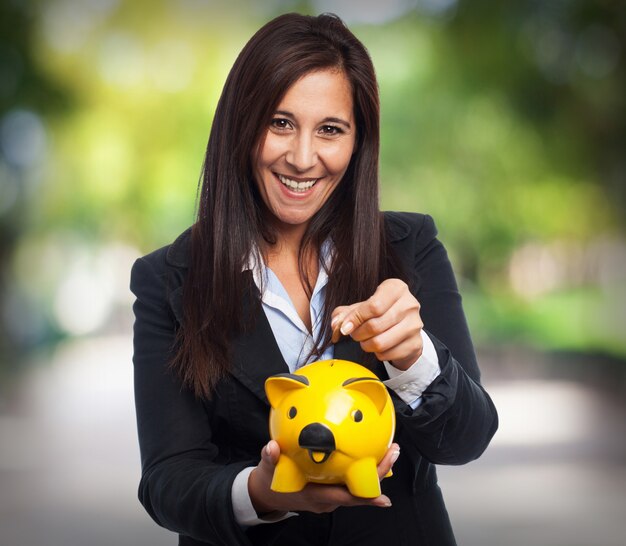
(318, 440)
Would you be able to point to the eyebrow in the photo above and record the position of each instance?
(325, 120)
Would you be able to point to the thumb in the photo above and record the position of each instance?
(269, 455)
(338, 315)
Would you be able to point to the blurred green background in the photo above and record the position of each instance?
(506, 121)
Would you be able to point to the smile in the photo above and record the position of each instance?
(296, 186)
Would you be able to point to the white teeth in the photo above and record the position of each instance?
(297, 186)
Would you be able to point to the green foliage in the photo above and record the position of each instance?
(585, 319)
(489, 123)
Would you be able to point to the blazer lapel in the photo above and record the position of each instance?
(256, 355)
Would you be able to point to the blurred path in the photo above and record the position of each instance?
(69, 459)
(555, 474)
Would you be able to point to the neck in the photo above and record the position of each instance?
(288, 237)
(285, 253)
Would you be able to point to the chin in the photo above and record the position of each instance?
(294, 221)
(292, 217)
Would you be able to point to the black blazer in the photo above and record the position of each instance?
(192, 449)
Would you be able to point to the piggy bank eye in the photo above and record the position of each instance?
(292, 412)
(357, 415)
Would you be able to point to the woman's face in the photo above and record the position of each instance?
(307, 147)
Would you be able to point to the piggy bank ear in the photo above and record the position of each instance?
(277, 386)
(370, 387)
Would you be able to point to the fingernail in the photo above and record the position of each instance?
(334, 322)
(395, 455)
(347, 328)
(268, 451)
(385, 501)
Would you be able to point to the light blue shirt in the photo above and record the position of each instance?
(293, 338)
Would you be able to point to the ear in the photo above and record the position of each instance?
(277, 386)
(370, 387)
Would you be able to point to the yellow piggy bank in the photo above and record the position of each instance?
(334, 421)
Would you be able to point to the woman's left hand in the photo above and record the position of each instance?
(387, 324)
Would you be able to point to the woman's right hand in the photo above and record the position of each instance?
(316, 498)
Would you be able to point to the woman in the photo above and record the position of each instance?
(291, 261)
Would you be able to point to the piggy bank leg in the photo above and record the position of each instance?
(362, 478)
(288, 478)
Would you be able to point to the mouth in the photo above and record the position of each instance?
(319, 457)
(297, 186)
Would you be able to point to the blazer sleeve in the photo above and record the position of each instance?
(456, 419)
(182, 487)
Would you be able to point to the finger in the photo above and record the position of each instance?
(386, 295)
(338, 315)
(269, 456)
(374, 306)
(383, 501)
(335, 324)
(388, 460)
(326, 498)
(406, 307)
(377, 325)
(405, 354)
(261, 477)
(339, 311)
(404, 336)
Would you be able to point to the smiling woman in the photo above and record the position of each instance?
(291, 261)
(306, 149)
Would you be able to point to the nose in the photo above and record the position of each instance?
(317, 437)
(302, 155)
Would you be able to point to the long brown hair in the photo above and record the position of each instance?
(230, 223)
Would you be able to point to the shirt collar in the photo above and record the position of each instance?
(255, 264)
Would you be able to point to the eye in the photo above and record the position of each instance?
(292, 412)
(280, 123)
(331, 130)
(357, 415)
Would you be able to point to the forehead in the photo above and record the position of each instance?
(320, 93)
